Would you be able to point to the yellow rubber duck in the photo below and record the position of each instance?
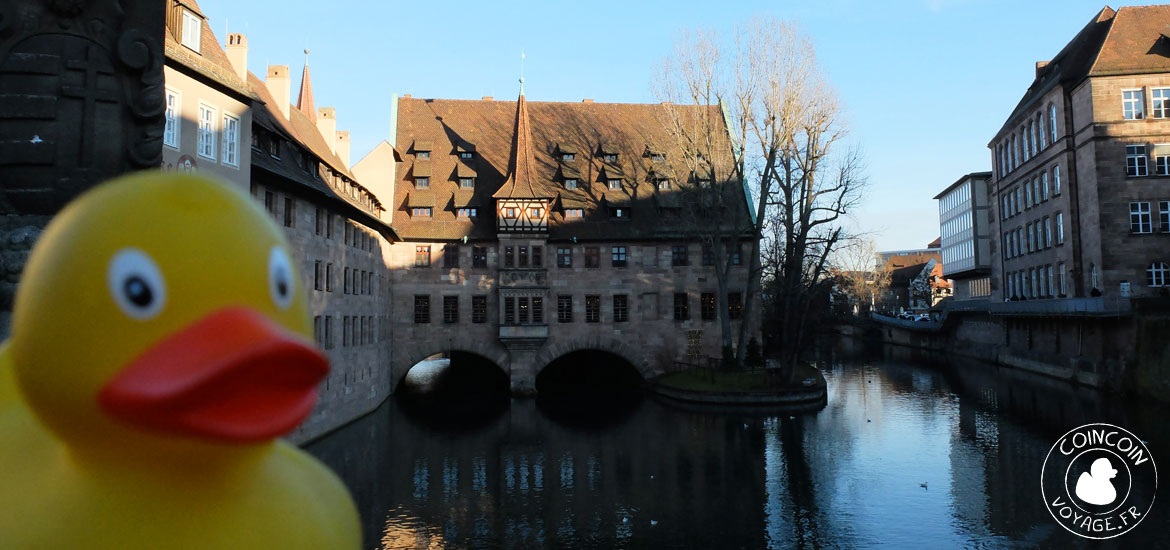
(160, 345)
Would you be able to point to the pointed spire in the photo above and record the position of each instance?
(305, 97)
(522, 172)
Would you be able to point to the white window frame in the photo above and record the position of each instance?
(1160, 102)
(1060, 277)
(574, 213)
(1158, 274)
(1044, 185)
(174, 118)
(571, 183)
(1164, 216)
(1162, 163)
(1047, 232)
(1059, 228)
(614, 184)
(231, 139)
(1135, 161)
(1132, 104)
(1040, 131)
(1052, 122)
(1056, 179)
(467, 183)
(206, 145)
(192, 30)
(1139, 217)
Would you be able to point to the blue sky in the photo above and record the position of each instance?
(925, 83)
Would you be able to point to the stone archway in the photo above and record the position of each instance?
(640, 359)
(404, 359)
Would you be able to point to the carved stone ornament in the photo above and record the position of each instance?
(81, 96)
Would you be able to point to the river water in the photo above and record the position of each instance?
(909, 452)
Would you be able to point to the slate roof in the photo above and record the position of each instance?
(587, 130)
(1130, 40)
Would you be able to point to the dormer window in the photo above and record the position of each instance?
(609, 153)
(663, 185)
(658, 156)
(420, 212)
(422, 182)
(615, 184)
(574, 213)
(192, 30)
(704, 183)
(609, 157)
(467, 213)
(568, 156)
(466, 155)
(422, 154)
(467, 183)
(570, 183)
(422, 149)
(620, 212)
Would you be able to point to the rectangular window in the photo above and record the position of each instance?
(290, 212)
(345, 333)
(1052, 123)
(615, 184)
(708, 255)
(1056, 180)
(564, 309)
(568, 156)
(707, 306)
(345, 281)
(1060, 278)
(329, 277)
(451, 256)
(509, 256)
(570, 183)
(564, 256)
(735, 305)
(619, 212)
(479, 256)
(1032, 238)
(1135, 160)
(173, 119)
(621, 308)
(329, 226)
(318, 278)
(318, 221)
(1139, 217)
(422, 256)
(467, 213)
(479, 309)
(422, 308)
(422, 182)
(206, 131)
(509, 311)
(537, 310)
(592, 308)
(270, 202)
(663, 185)
(1164, 216)
(1044, 186)
(1060, 228)
(681, 307)
(467, 183)
(678, 255)
(231, 140)
(592, 257)
(1160, 99)
(523, 256)
(421, 212)
(1027, 195)
(618, 256)
(1048, 281)
(192, 30)
(537, 256)
(572, 213)
(450, 309)
(1047, 232)
(1040, 131)
(1132, 105)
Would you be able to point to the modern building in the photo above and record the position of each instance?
(1081, 179)
(208, 104)
(534, 230)
(963, 225)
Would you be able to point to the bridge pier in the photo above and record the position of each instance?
(522, 368)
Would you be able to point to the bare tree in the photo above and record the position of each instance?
(771, 113)
(860, 276)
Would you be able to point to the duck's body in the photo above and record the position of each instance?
(161, 431)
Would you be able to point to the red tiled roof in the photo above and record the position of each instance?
(446, 125)
(522, 163)
(305, 96)
(210, 61)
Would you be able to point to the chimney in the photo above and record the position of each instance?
(405, 96)
(488, 98)
(343, 147)
(237, 52)
(327, 125)
(278, 85)
(1040, 65)
(586, 100)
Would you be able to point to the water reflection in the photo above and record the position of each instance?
(909, 452)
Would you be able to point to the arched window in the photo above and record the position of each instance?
(1158, 274)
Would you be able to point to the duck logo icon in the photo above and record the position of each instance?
(1098, 481)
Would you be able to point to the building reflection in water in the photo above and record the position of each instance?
(909, 452)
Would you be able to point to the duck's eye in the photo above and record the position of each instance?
(136, 284)
(280, 279)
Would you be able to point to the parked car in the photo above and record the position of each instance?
(923, 318)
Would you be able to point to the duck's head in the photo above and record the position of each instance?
(164, 308)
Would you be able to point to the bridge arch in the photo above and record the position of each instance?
(411, 354)
(636, 356)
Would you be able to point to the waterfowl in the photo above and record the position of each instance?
(1094, 486)
(160, 345)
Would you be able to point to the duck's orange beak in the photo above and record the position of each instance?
(231, 376)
